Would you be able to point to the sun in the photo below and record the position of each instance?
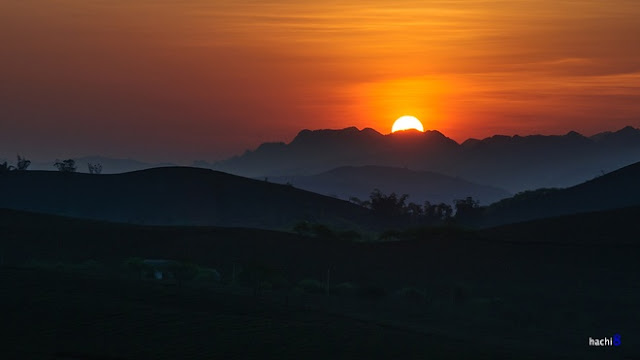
(407, 123)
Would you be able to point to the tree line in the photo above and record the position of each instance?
(21, 165)
(67, 166)
(396, 207)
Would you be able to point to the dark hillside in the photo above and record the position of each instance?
(506, 288)
(174, 196)
(618, 189)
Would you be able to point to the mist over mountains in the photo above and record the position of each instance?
(359, 181)
(515, 163)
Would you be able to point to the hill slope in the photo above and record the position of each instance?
(618, 189)
(421, 186)
(174, 196)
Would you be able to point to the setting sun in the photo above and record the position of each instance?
(407, 123)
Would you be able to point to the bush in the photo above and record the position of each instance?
(67, 166)
(22, 164)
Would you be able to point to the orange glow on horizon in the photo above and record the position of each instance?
(199, 73)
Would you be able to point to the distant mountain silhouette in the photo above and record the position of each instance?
(618, 189)
(174, 196)
(421, 186)
(109, 165)
(514, 163)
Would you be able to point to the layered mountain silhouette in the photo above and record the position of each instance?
(514, 163)
(360, 181)
(616, 190)
(175, 196)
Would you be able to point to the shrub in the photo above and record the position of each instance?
(22, 164)
(67, 166)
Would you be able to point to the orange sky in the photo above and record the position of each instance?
(200, 79)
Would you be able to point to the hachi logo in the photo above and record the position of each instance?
(610, 341)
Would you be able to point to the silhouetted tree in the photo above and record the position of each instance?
(437, 212)
(444, 211)
(390, 205)
(23, 163)
(414, 211)
(467, 209)
(5, 167)
(68, 165)
(94, 168)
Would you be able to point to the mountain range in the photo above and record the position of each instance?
(514, 163)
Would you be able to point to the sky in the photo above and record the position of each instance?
(183, 80)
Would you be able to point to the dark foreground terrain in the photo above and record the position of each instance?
(442, 294)
(61, 316)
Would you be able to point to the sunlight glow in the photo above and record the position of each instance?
(407, 123)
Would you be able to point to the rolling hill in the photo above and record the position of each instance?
(618, 189)
(174, 196)
(421, 186)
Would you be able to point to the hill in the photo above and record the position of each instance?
(174, 196)
(515, 163)
(351, 181)
(618, 189)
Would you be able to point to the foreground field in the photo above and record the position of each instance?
(448, 293)
(62, 316)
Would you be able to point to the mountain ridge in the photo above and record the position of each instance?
(515, 163)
